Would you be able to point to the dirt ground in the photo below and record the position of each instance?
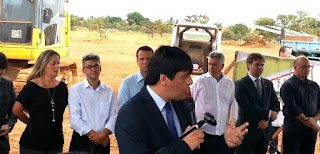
(118, 61)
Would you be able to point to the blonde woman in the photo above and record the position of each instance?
(45, 99)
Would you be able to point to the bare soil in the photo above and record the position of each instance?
(118, 61)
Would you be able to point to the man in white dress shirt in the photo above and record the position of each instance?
(213, 92)
(92, 110)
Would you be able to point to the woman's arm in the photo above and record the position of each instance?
(18, 110)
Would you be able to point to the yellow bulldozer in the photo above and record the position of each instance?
(29, 27)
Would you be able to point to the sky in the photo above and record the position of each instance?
(227, 12)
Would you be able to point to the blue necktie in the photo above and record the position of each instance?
(170, 121)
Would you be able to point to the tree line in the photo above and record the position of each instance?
(301, 22)
(136, 22)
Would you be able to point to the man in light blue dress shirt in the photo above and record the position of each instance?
(132, 84)
(92, 108)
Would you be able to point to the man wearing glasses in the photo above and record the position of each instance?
(301, 98)
(92, 110)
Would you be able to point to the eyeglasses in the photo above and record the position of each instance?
(97, 66)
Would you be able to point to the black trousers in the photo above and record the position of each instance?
(28, 151)
(302, 142)
(274, 144)
(83, 144)
(4, 144)
(253, 143)
(207, 146)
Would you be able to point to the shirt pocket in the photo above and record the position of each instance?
(104, 108)
(225, 97)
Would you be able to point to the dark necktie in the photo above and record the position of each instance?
(170, 121)
(258, 86)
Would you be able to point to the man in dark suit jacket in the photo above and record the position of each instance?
(7, 98)
(144, 125)
(258, 105)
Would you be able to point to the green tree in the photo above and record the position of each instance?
(240, 31)
(76, 21)
(95, 24)
(300, 22)
(122, 26)
(228, 35)
(137, 18)
(157, 27)
(267, 22)
(114, 20)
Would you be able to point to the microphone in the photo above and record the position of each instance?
(208, 118)
(191, 108)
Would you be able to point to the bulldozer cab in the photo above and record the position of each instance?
(197, 40)
(28, 27)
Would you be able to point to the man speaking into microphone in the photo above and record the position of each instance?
(154, 119)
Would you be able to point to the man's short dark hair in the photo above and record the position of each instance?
(254, 56)
(144, 48)
(283, 49)
(90, 56)
(168, 61)
(3, 61)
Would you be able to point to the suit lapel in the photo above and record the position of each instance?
(155, 115)
(264, 89)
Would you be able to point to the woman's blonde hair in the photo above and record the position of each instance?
(41, 63)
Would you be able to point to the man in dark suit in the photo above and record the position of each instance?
(7, 98)
(258, 105)
(152, 120)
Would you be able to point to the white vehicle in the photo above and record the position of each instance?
(198, 40)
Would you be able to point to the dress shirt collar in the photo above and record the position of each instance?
(87, 84)
(139, 76)
(297, 80)
(210, 76)
(253, 78)
(157, 99)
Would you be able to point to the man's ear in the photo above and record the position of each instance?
(163, 79)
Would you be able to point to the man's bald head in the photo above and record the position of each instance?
(301, 67)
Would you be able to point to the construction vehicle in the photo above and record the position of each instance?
(29, 27)
(198, 40)
(301, 43)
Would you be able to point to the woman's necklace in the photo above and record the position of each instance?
(52, 103)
